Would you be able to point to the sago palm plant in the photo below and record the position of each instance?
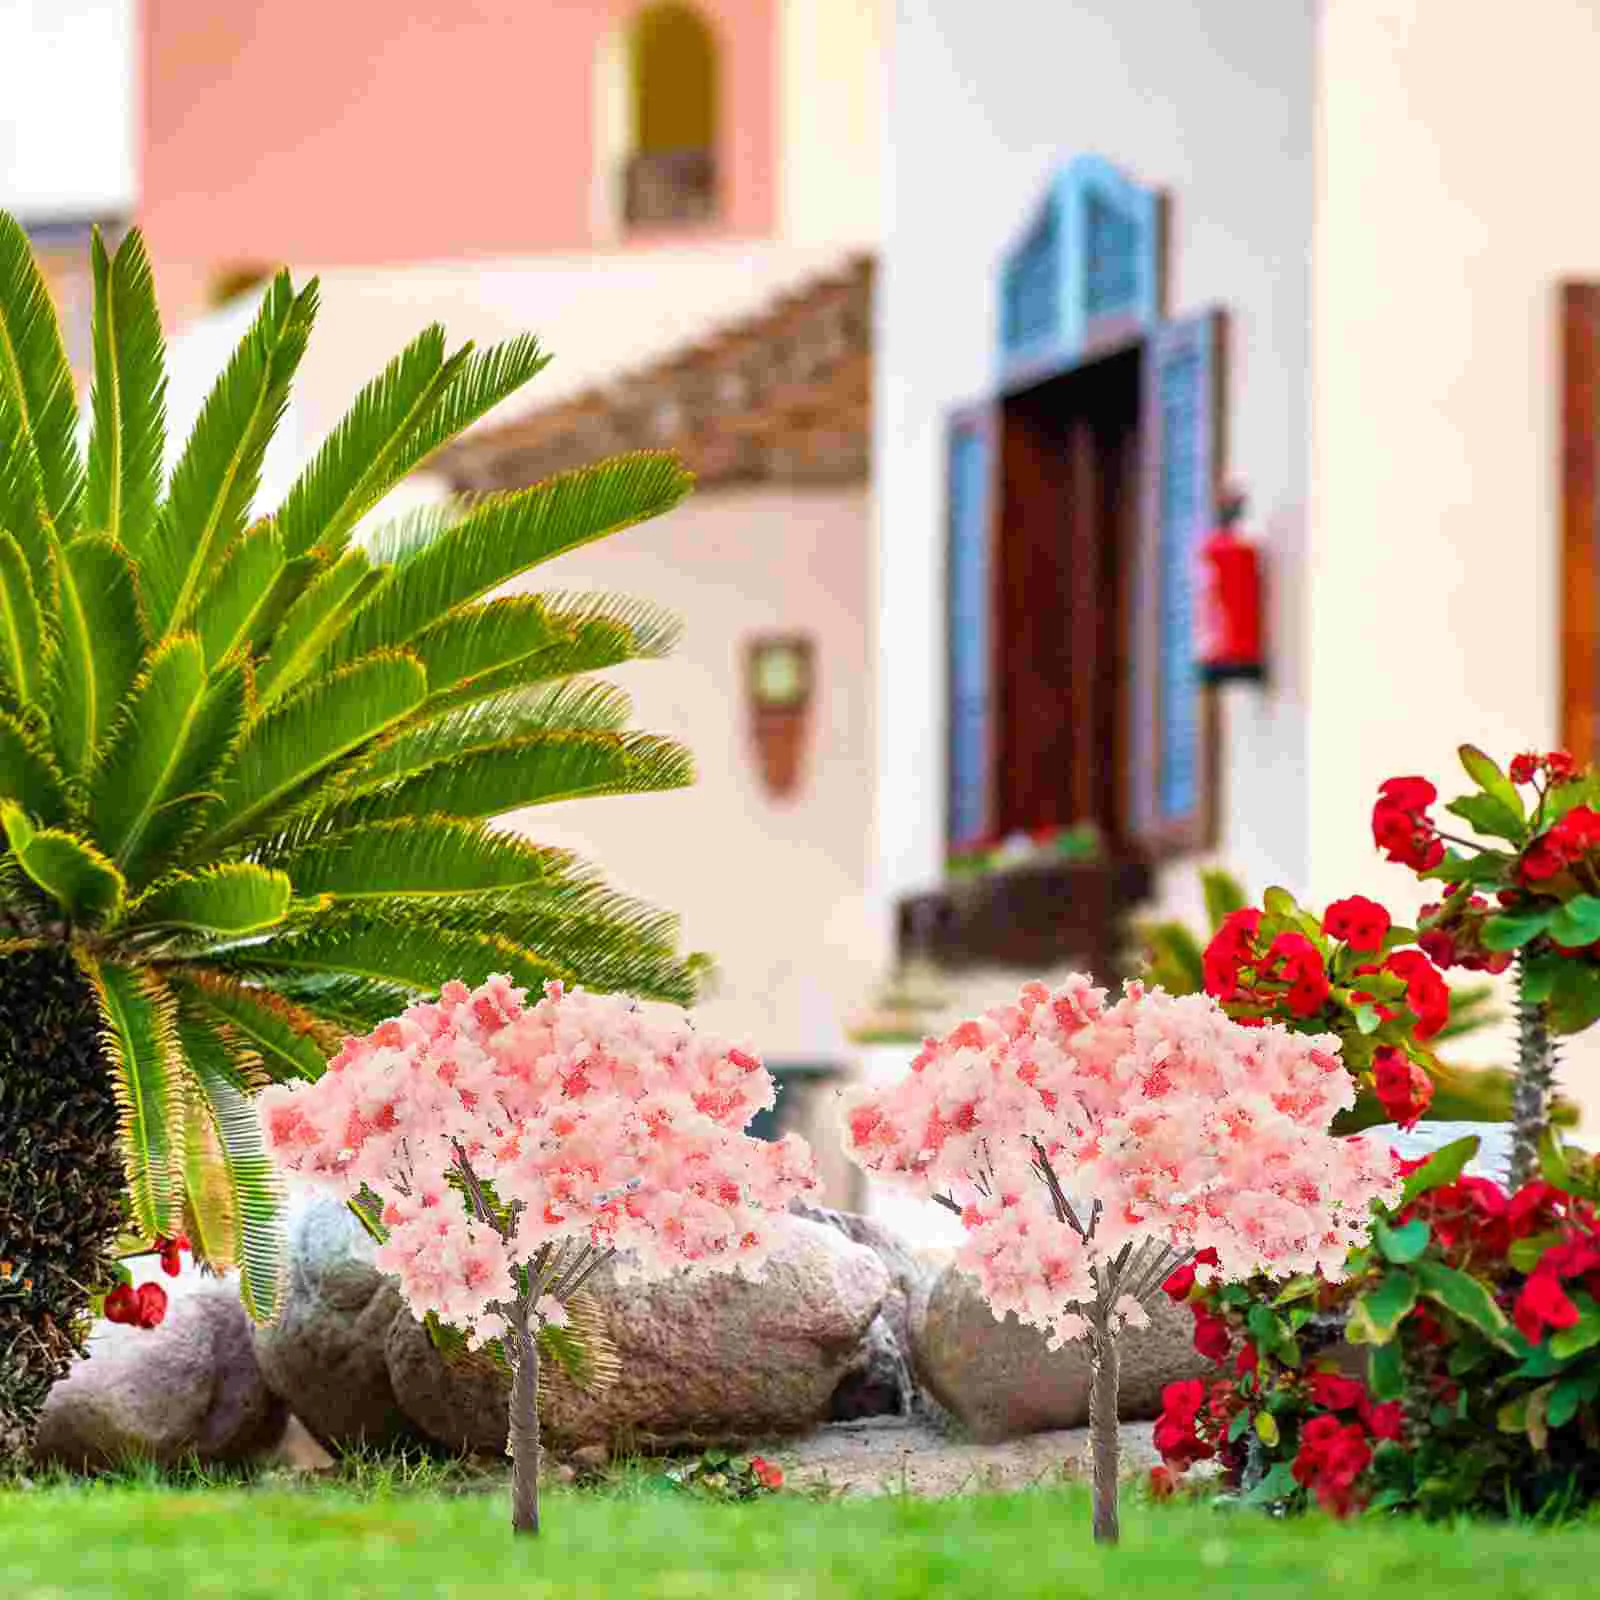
(247, 769)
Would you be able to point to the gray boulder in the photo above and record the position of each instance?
(707, 1360)
(883, 1384)
(326, 1352)
(1000, 1380)
(191, 1385)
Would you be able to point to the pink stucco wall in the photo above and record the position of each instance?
(363, 131)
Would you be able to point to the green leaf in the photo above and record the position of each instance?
(1267, 1429)
(216, 478)
(127, 440)
(533, 771)
(1509, 930)
(1442, 1168)
(265, 1032)
(1367, 1019)
(1278, 1484)
(164, 756)
(1298, 1288)
(1377, 1315)
(80, 879)
(1526, 1253)
(1491, 779)
(422, 857)
(23, 662)
(236, 897)
(1574, 997)
(365, 456)
(1490, 816)
(141, 1046)
(1386, 1372)
(1583, 1335)
(420, 959)
(286, 751)
(233, 604)
(255, 1188)
(505, 535)
(1223, 896)
(27, 774)
(1539, 974)
(1464, 1296)
(321, 613)
(102, 644)
(1280, 903)
(1238, 1426)
(37, 380)
(1577, 922)
(1571, 1392)
(1486, 866)
(1405, 1244)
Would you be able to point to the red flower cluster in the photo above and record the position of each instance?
(1180, 1282)
(1177, 1431)
(144, 1308)
(1361, 923)
(1292, 959)
(768, 1474)
(1331, 1459)
(1450, 933)
(1427, 993)
(1401, 826)
(1558, 767)
(1557, 848)
(1404, 1090)
(168, 1249)
(1544, 1302)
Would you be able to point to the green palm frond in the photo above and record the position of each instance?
(251, 757)
(320, 613)
(416, 957)
(288, 1040)
(129, 432)
(578, 706)
(235, 898)
(422, 858)
(102, 645)
(141, 1042)
(364, 456)
(216, 478)
(233, 611)
(154, 782)
(38, 382)
(23, 662)
(284, 752)
(247, 1231)
(69, 869)
(534, 770)
(28, 773)
(506, 535)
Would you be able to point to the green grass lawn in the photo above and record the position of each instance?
(337, 1542)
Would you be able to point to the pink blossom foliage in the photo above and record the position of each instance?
(606, 1122)
(1178, 1129)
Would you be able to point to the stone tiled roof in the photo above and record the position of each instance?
(781, 397)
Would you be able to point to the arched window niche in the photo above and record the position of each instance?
(657, 122)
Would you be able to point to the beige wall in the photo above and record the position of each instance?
(1455, 187)
(830, 80)
(775, 890)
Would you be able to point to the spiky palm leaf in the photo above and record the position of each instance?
(248, 763)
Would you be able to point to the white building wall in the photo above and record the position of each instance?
(1214, 105)
(1455, 187)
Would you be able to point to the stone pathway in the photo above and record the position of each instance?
(893, 1455)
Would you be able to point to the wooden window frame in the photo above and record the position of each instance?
(1580, 519)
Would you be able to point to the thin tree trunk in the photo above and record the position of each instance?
(1535, 1083)
(1103, 1436)
(523, 1431)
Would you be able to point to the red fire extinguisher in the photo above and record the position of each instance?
(1230, 608)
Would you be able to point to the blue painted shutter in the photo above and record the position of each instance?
(969, 475)
(1174, 734)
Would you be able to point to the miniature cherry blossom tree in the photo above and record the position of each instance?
(1091, 1151)
(515, 1149)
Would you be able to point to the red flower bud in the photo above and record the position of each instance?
(152, 1305)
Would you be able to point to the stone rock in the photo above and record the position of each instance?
(883, 1384)
(325, 1354)
(191, 1385)
(707, 1360)
(1000, 1380)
